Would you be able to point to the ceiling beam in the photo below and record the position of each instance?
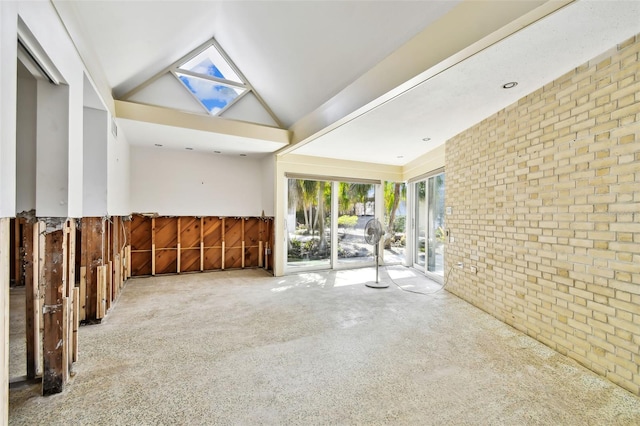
(469, 28)
(170, 117)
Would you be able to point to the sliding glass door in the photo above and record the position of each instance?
(325, 224)
(356, 206)
(309, 224)
(429, 233)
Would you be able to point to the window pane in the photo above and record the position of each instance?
(210, 62)
(395, 215)
(214, 96)
(420, 189)
(309, 223)
(436, 225)
(356, 206)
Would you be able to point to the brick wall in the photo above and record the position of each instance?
(545, 199)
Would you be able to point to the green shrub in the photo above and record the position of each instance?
(347, 221)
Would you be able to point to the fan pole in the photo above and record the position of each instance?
(377, 248)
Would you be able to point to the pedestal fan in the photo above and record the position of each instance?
(373, 233)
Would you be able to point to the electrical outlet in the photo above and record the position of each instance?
(460, 265)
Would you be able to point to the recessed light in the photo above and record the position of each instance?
(510, 85)
(426, 139)
(189, 149)
(157, 144)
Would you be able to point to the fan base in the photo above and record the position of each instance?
(377, 285)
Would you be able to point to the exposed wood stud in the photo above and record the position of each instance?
(17, 261)
(76, 322)
(83, 293)
(243, 255)
(65, 339)
(72, 253)
(32, 328)
(178, 254)
(54, 374)
(40, 232)
(5, 250)
(198, 244)
(201, 244)
(93, 255)
(153, 246)
(109, 286)
(65, 256)
(223, 242)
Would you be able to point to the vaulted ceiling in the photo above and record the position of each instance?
(358, 80)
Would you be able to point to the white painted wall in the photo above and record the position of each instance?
(41, 20)
(94, 164)
(118, 173)
(52, 135)
(43, 25)
(268, 184)
(26, 144)
(176, 183)
(8, 54)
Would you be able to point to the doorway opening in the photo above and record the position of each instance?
(429, 226)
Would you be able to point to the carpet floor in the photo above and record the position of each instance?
(245, 348)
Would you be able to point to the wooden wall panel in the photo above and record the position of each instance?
(212, 239)
(166, 245)
(190, 260)
(233, 243)
(140, 245)
(251, 242)
(93, 245)
(190, 232)
(190, 237)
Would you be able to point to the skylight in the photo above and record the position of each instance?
(215, 96)
(212, 79)
(210, 62)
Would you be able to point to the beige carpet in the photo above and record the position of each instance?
(246, 348)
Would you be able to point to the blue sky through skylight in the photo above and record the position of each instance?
(214, 96)
(210, 62)
(207, 65)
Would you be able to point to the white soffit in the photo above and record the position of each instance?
(146, 125)
(145, 134)
(465, 94)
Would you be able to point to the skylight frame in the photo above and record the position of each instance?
(176, 70)
(229, 104)
(195, 52)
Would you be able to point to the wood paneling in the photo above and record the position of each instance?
(212, 238)
(141, 236)
(251, 240)
(190, 243)
(93, 247)
(165, 245)
(233, 243)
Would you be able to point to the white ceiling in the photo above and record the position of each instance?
(298, 55)
(465, 94)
